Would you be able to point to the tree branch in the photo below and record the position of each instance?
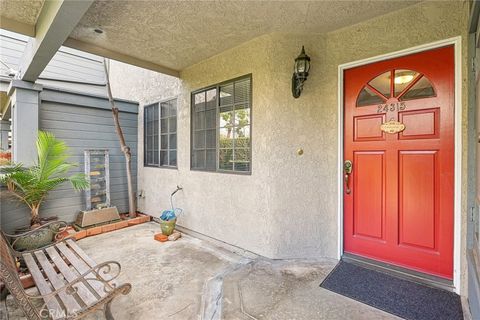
(125, 149)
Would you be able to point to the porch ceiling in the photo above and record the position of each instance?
(21, 15)
(178, 34)
(25, 11)
(168, 36)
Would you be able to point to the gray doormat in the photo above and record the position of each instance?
(400, 297)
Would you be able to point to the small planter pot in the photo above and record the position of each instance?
(168, 226)
(36, 240)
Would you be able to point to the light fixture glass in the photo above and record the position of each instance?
(402, 79)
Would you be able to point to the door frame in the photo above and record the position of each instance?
(457, 235)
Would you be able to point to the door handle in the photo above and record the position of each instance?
(347, 168)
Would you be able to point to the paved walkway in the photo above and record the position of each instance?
(194, 279)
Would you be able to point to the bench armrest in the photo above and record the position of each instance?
(57, 227)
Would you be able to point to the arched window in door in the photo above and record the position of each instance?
(401, 84)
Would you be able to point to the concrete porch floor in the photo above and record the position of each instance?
(195, 279)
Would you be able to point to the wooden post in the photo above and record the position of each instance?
(125, 149)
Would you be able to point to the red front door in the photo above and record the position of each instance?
(398, 200)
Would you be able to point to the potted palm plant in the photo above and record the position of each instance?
(31, 185)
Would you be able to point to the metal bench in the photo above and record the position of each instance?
(70, 283)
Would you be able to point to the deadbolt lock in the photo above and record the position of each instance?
(347, 166)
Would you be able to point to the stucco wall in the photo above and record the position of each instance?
(287, 208)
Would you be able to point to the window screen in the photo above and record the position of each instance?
(160, 134)
(168, 137)
(221, 123)
(151, 135)
(204, 130)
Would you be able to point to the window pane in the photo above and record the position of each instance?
(155, 157)
(226, 138)
(155, 143)
(211, 138)
(199, 120)
(211, 119)
(382, 83)
(198, 159)
(211, 99)
(226, 94)
(402, 79)
(155, 127)
(149, 143)
(242, 116)
(225, 159)
(242, 132)
(173, 157)
(199, 101)
(163, 158)
(173, 107)
(165, 106)
(242, 142)
(422, 89)
(173, 141)
(164, 125)
(147, 111)
(199, 140)
(149, 126)
(155, 112)
(149, 157)
(211, 163)
(164, 141)
(226, 119)
(172, 124)
(368, 98)
(242, 90)
(242, 159)
(225, 108)
(148, 131)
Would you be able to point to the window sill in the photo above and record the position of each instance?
(238, 173)
(160, 167)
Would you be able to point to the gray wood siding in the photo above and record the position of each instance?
(69, 68)
(82, 126)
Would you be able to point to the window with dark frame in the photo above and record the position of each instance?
(151, 135)
(221, 126)
(160, 134)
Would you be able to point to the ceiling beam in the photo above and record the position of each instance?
(93, 49)
(17, 26)
(56, 21)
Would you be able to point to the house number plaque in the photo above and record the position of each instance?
(392, 126)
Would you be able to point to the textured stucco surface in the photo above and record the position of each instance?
(24, 11)
(177, 34)
(287, 208)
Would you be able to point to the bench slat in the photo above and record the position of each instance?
(84, 256)
(69, 275)
(81, 253)
(81, 267)
(42, 285)
(56, 280)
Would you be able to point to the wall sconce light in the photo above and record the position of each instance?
(300, 73)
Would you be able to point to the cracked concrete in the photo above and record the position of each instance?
(194, 279)
(289, 289)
